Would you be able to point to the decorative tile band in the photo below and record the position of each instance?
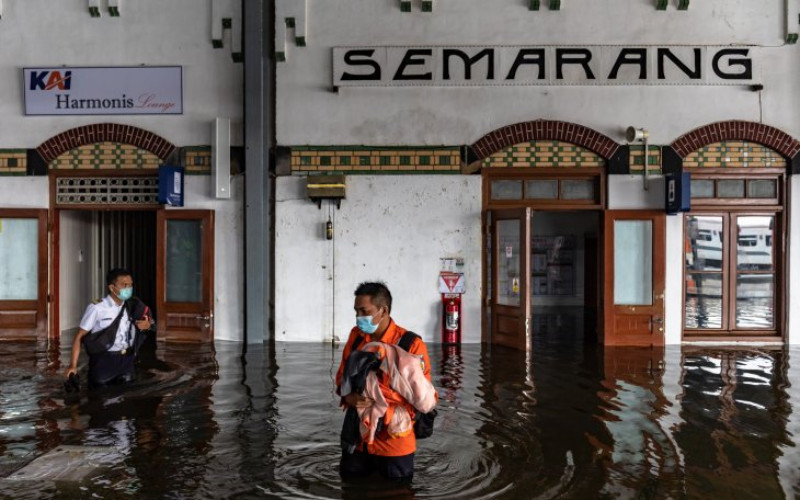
(105, 155)
(734, 154)
(538, 154)
(636, 158)
(13, 161)
(352, 160)
(196, 160)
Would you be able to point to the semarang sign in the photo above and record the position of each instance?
(443, 66)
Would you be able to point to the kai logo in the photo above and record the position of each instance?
(49, 80)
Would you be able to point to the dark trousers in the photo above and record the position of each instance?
(110, 368)
(362, 464)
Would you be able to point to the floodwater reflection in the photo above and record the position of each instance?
(566, 420)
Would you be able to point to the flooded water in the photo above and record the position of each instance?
(565, 421)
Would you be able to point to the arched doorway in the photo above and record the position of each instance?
(544, 193)
(735, 237)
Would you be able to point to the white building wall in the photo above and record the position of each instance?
(148, 32)
(432, 116)
(793, 274)
(390, 228)
(24, 192)
(419, 115)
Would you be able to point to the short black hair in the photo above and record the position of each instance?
(115, 273)
(378, 292)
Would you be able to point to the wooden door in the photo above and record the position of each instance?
(23, 274)
(634, 263)
(185, 275)
(510, 288)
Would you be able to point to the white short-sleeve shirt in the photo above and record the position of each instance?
(98, 316)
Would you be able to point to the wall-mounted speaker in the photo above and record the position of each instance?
(221, 157)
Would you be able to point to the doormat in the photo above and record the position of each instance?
(68, 463)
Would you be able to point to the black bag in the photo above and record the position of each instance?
(423, 424)
(101, 341)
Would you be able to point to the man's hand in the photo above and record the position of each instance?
(357, 400)
(71, 370)
(144, 323)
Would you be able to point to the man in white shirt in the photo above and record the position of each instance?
(112, 351)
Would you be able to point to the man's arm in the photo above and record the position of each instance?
(76, 352)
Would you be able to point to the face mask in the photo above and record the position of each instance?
(125, 293)
(364, 323)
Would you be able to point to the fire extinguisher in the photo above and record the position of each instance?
(451, 321)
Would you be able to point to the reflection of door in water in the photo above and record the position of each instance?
(186, 275)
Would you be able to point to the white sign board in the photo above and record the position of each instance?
(451, 282)
(137, 90)
(515, 65)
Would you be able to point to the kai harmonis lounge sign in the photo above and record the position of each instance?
(136, 90)
(445, 66)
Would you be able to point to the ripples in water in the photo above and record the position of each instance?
(566, 421)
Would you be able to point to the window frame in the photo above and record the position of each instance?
(730, 210)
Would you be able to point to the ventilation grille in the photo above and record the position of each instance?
(107, 190)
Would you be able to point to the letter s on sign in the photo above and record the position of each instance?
(361, 57)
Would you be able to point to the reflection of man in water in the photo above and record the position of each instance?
(131, 317)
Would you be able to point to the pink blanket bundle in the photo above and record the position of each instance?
(407, 380)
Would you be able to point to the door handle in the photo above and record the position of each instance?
(207, 318)
(659, 321)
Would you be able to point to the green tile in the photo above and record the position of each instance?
(363, 160)
(444, 160)
(386, 160)
(12, 162)
(405, 160)
(305, 160)
(344, 160)
(325, 161)
(424, 160)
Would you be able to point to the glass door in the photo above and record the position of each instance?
(23, 274)
(510, 278)
(634, 284)
(185, 272)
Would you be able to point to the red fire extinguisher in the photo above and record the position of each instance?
(451, 328)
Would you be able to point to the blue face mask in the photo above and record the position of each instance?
(364, 323)
(125, 293)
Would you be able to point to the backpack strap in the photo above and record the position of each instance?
(357, 342)
(407, 340)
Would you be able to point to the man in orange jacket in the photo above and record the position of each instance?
(392, 457)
